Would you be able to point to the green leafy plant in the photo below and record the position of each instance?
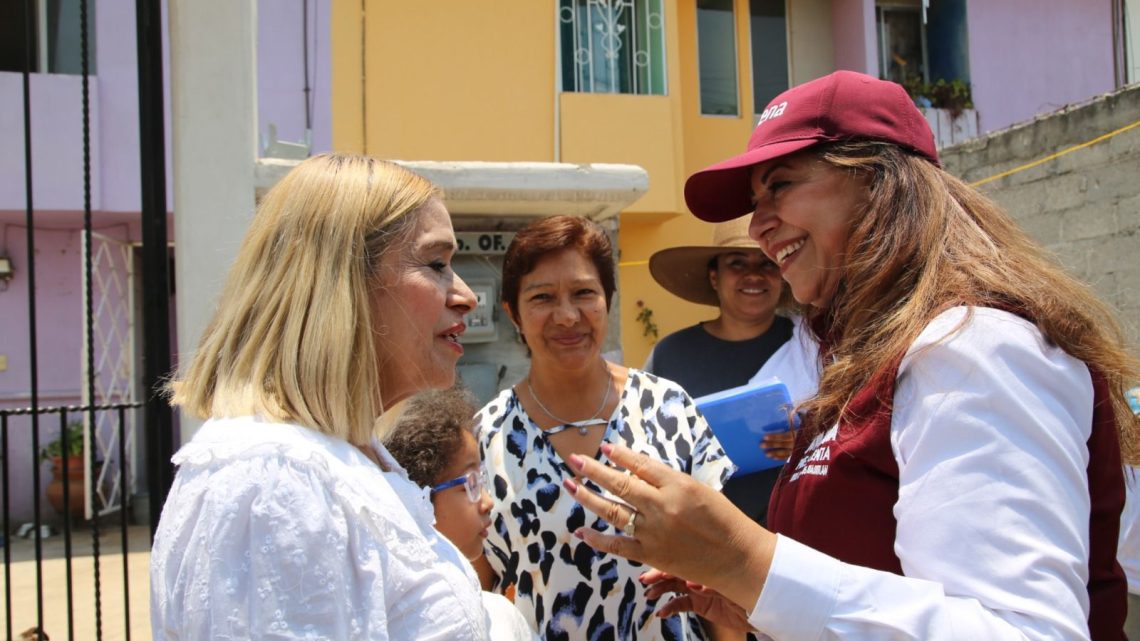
(54, 448)
(645, 317)
(955, 96)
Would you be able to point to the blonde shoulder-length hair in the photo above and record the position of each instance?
(292, 336)
(924, 242)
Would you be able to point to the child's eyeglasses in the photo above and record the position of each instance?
(472, 482)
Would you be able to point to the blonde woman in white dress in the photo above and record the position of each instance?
(288, 518)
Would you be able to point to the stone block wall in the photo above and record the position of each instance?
(1083, 205)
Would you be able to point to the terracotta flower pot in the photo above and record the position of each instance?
(75, 487)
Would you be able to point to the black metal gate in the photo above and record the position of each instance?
(60, 432)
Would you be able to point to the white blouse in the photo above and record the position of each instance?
(280, 531)
(796, 363)
(989, 432)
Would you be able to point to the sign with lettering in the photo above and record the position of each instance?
(483, 242)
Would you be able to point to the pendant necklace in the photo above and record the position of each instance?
(583, 425)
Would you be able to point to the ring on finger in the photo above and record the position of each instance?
(631, 525)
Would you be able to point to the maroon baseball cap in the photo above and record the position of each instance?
(838, 106)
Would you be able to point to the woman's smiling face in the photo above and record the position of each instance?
(747, 286)
(803, 216)
(562, 310)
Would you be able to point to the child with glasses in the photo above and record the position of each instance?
(434, 442)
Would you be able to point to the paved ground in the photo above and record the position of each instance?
(53, 578)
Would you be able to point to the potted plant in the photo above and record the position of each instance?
(955, 96)
(54, 451)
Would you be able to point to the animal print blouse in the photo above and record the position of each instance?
(565, 589)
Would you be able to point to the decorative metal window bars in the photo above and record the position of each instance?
(612, 46)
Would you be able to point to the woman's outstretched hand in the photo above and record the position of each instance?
(694, 597)
(681, 527)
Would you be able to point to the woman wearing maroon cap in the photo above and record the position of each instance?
(958, 475)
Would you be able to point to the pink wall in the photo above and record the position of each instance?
(853, 30)
(1029, 57)
(59, 340)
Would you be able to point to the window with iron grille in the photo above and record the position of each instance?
(612, 46)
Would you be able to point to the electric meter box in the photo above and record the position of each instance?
(481, 327)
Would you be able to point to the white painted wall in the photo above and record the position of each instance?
(811, 48)
(214, 123)
(1132, 40)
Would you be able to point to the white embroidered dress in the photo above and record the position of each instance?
(279, 531)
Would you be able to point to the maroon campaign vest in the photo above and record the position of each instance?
(842, 499)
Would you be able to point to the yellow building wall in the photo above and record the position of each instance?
(444, 80)
(638, 289)
(460, 80)
(709, 139)
(621, 128)
(704, 140)
(346, 80)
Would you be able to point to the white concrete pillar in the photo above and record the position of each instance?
(213, 88)
(1132, 41)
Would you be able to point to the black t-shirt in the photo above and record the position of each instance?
(702, 364)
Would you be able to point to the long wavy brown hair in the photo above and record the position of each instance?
(926, 242)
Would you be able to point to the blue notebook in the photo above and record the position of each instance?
(741, 416)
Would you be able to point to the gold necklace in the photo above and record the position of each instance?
(582, 425)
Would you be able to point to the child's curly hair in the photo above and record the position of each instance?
(429, 431)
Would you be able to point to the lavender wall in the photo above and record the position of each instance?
(1029, 57)
(281, 71)
(118, 83)
(57, 135)
(853, 29)
(57, 118)
(57, 126)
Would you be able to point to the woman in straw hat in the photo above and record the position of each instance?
(288, 518)
(958, 475)
(733, 275)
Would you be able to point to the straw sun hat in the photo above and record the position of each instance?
(684, 271)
